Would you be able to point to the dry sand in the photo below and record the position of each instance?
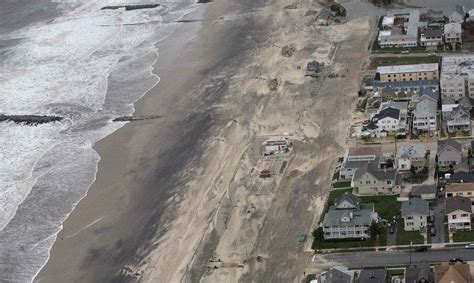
(173, 194)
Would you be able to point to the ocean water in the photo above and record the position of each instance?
(71, 59)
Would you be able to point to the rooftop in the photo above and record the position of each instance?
(442, 144)
(355, 151)
(415, 206)
(459, 187)
(407, 68)
(379, 174)
(458, 272)
(462, 177)
(415, 150)
(458, 203)
(457, 65)
(452, 27)
(423, 189)
(373, 275)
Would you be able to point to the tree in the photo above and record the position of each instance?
(413, 170)
(318, 234)
(375, 229)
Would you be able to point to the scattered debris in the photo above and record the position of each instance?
(30, 119)
(273, 84)
(136, 118)
(288, 50)
(291, 6)
(265, 173)
(204, 1)
(312, 68)
(131, 7)
(310, 13)
(333, 75)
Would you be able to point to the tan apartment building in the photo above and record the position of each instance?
(416, 72)
(461, 189)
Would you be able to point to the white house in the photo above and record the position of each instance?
(456, 118)
(409, 155)
(415, 212)
(424, 115)
(458, 212)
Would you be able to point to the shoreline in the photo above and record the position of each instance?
(81, 216)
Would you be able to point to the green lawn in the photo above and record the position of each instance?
(385, 206)
(309, 277)
(396, 272)
(402, 60)
(463, 236)
(404, 237)
(342, 244)
(342, 184)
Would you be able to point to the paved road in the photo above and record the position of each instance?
(439, 212)
(390, 258)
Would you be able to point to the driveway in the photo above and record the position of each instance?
(438, 212)
(391, 238)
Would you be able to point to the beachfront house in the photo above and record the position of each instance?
(458, 212)
(457, 119)
(355, 157)
(415, 212)
(431, 38)
(370, 180)
(409, 155)
(348, 218)
(449, 154)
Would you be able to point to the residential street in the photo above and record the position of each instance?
(389, 258)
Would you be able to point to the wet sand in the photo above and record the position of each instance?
(152, 213)
(144, 165)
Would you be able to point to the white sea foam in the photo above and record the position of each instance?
(89, 66)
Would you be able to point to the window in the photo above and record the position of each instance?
(409, 217)
(453, 217)
(464, 215)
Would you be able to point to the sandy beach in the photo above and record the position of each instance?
(172, 195)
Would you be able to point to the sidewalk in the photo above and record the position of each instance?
(396, 247)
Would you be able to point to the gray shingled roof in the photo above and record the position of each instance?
(387, 112)
(362, 216)
(334, 275)
(373, 275)
(379, 174)
(423, 189)
(415, 206)
(347, 196)
(419, 272)
(414, 150)
(457, 202)
(442, 144)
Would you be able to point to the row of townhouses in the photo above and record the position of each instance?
(403, 28)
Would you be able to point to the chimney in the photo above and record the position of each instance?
(351, 214)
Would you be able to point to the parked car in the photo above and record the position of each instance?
(302, 238)
(469, 246)
(433, 231)
(456, 259)
(421, 249)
